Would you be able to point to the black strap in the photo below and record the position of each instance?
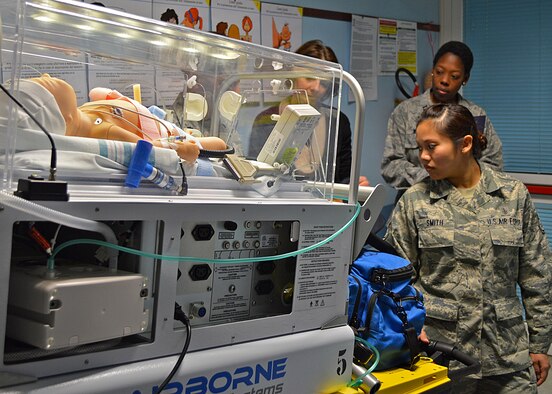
(410, 335)
(413, 344)
(380, 244)
(353, 322)
(370, 312)
(218, 154)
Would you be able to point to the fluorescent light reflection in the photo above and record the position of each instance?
(159, 43)
(226, 56)
(43, 18)
(85, 27)
(59, 59)
(123, 35)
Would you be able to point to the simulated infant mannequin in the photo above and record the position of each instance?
(110, 115)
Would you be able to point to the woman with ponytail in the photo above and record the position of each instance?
(474, 236)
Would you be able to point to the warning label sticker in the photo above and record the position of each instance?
(231, 291)
(317, 270)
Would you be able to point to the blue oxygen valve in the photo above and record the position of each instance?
(139, 166)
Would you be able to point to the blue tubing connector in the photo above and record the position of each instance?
(139, 166)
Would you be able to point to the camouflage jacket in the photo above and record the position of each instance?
(470, 255)
(400, 166)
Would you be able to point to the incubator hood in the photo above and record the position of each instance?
(199, 80)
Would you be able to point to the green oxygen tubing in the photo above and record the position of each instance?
(82, 241)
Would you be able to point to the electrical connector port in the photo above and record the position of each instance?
(266, 267)
(264, 287)
(55, 304)
(200, 272)
(198, 310)
(203, 232)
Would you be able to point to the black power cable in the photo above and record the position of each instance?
(181, 317)
(53, 156)
(184, 180)
(399, 83)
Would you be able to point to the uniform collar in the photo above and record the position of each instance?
(426, 102)
(490, 181)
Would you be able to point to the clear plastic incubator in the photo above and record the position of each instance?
(167, 191)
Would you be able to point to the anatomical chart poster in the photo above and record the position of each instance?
(238, 19)
(281, 26)
(194, 14)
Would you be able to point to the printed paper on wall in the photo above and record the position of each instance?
(282, 26)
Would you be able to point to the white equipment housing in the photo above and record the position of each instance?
(75, 305)
(290, 134)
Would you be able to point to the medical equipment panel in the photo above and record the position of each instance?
(276, 289)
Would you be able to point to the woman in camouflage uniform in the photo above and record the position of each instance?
(474, 235)
(400, 166)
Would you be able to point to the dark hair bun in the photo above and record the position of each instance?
(482, 141)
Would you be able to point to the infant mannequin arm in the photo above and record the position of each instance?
(212, 143)
(186, 149)
(104, 94)
(189, 150)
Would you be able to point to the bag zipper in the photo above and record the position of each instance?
(380, 275)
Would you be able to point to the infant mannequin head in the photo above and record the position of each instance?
(66, 99)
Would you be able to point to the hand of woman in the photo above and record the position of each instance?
(541, 363)
(363, 181)
(423, 337)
